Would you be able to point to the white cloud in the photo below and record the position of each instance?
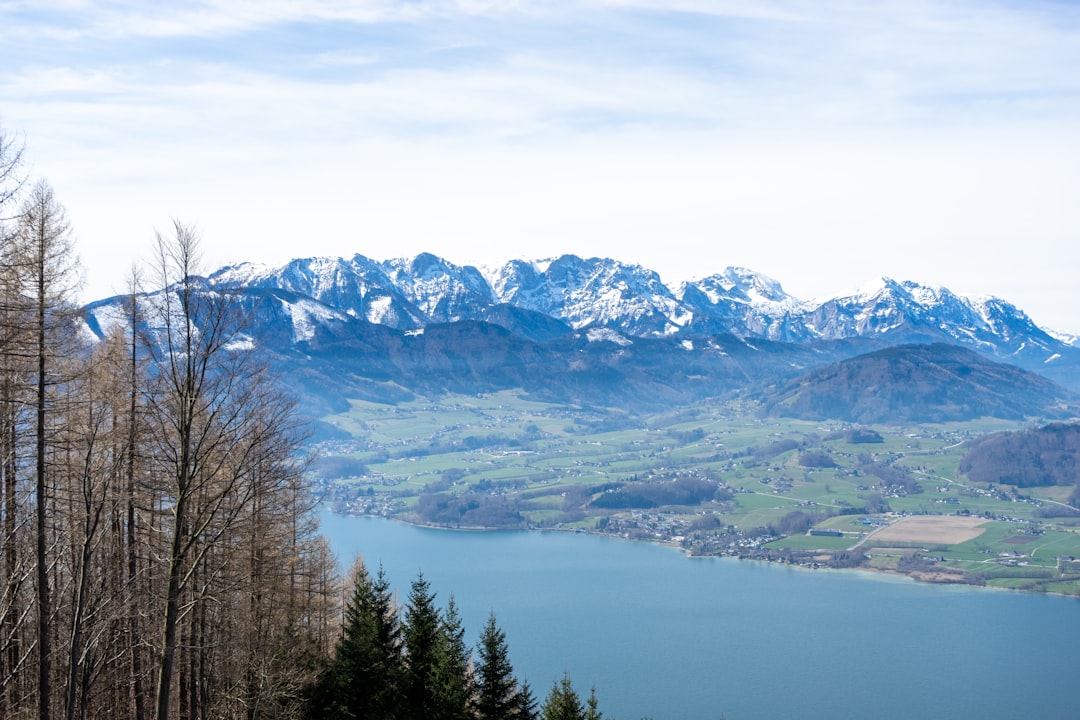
(923, 140)
(126, 19)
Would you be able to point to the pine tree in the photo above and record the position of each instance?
(527, 706)
(592, 707)
(364, 679)
(453, 676)
(421, 640)
(563, 702)
(496, 688)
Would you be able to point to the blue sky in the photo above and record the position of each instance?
(821, 143)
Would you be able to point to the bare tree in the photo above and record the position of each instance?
(222, 437)
(11, 178)
(15, 375)
(45, 255)
(149, 486)
(133, 378)
(13, 569)
(94, 445)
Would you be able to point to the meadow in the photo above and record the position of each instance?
(714, 478)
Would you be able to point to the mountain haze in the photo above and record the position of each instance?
(587, 330)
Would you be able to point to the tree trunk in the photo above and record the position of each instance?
(44, 648)
(172, 612)
(135, 635)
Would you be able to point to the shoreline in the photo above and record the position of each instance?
(921, 577)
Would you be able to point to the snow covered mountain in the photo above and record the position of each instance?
(410, 294)
(594, 291)
(585, 330)
(619, 323)
(890, 309)
(359, 287)
(744, 303)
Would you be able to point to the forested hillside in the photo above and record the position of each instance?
(1048, 455)
(920, 383)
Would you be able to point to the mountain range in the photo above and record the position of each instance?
(409, 294)
(588, 329)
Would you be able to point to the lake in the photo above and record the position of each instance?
(664, 636)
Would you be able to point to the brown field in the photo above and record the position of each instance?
(931, 529)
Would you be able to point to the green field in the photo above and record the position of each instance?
(714, 478)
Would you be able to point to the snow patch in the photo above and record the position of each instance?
(88, 335)
(1052, 358)
(306, 315)
(687, 344)
(1064, 337)
(866, 291)
(380, 309)
(241, 344)
(541, 266)
(607, 335)
(109, 318)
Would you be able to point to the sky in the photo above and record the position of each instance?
(824, 144)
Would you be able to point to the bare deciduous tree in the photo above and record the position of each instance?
(149, 486)
(45, 259)
(224, 441)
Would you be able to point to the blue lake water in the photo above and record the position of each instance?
(664, 636)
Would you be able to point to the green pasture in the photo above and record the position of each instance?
(552, 459)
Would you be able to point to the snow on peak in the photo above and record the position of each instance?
(740, 285)
(755, 285)
(1064, 337)
(869, 290)
(589, 292)
(541, 266)
(926, 295)
(242, 273)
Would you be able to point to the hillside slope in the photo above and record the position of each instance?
(920, 383)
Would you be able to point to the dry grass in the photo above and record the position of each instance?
(931, 529)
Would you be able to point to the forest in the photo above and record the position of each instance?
(159, 553)
(1049, 455)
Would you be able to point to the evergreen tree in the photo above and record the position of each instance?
(563, 702)
(421, 639)
(527, 706)
(496, 689)
(453, 676)
(364, 679)
(592, 707)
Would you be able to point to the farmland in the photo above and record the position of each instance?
(711, 478)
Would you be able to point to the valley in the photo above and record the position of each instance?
(724, 417)
(713, 478)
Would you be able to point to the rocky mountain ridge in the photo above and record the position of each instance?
(410, 294)
(590, 331)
